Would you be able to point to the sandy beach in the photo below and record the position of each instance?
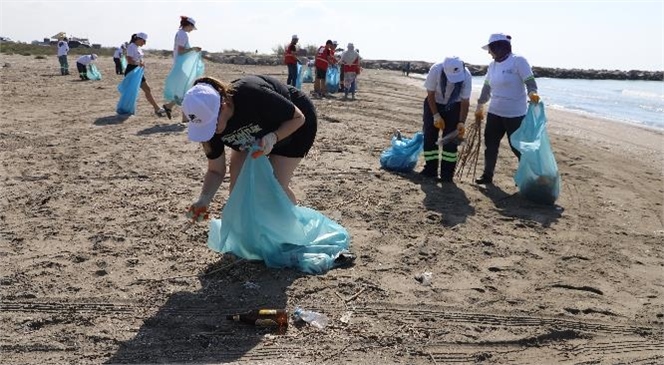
(100, 266)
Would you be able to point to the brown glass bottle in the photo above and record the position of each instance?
(262, 317)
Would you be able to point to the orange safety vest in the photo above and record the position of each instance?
(289, 55)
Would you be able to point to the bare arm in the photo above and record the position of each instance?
(290, 126)
(213, 178)
(431, 100)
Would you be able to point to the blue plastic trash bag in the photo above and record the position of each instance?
(93, 73)
(537, 176)
(128, 89)
(332, 79)
(259, 222)
(308, 75)
(186, 69)
(123, 63)
(298, 80)
(403, 154)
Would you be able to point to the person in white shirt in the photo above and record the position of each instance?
(507, 80)
(135, 59)
(63, 50)
(117, 58)
(448, 84)
(180, 47)
(82, 65)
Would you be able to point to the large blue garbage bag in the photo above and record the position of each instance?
(308, 74)
(259, 222)
(298, 80)
(93, 73)
(403, 154)
(332, 79)
(537, 176)
(128, 89)
(186, 69)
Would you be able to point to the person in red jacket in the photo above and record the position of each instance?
(290, 59)
(324, 57)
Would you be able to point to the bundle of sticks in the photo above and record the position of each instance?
(470, 153)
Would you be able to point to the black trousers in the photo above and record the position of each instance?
(292, 74)
(118, 66)
(496, 127)
(431, 148)
(82, 71)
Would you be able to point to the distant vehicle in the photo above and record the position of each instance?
(74, 43)
(5, 39)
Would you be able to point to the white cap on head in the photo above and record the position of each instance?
(495, 38)
(93, 56)
(454, 69)
(201, 106)
(294, 36)
(142, 36)
(192, 21)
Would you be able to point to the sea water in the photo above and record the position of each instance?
(634, 102)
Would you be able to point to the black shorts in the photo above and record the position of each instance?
(130, 68)
(320, 73)
(298, 144)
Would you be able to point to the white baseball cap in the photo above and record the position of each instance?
(93, 56)
(495, 38)
(294, 36)
(454, 69)
(201, 106)
(192, 21)
(142, 36)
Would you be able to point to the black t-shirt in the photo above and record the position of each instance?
(262, 104)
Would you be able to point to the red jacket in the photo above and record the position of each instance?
(353, 67)
(324, 57)
(289, 54)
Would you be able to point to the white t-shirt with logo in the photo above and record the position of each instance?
(432, 83)
(135, 52)
(181, 39)
(63, 48)
(85, 60)
(508, 91)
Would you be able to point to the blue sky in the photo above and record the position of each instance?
(568, 34)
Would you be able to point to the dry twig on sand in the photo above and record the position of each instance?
(470, 153)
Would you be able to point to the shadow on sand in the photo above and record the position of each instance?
(163, 128)
(515, 206)
(112, 119)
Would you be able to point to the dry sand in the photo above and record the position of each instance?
(98, 266)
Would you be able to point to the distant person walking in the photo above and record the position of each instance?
(350, 64)
(181, 46)
(448, 84)
(504, 85)
(291, 61)
(82, 64)
(135, 59)
(406, 68)
(117, 58)
(324, 57)
(63, 51)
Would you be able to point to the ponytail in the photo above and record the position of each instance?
(133, 38)
(224, 90)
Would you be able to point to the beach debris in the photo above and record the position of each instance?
(7, 64)
(424, 278)
(470, 153)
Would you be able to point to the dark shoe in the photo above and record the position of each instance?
(167, 110)
(484, 180)
(430, 174)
